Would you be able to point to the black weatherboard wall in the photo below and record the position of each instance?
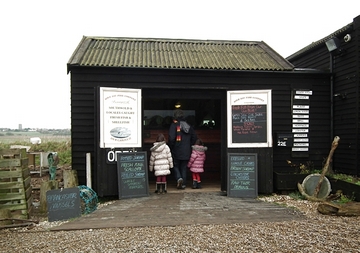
(90, 70)
(344, 63)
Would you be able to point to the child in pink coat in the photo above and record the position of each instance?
(196, 162)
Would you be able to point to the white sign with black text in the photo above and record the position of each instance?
(120, 117)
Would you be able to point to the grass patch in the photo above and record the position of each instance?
(63, 148)
(346, 178)
(345, 199)
(296, 195)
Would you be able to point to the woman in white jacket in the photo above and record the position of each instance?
(161, 162)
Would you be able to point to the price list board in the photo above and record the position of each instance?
(132, 175)
(242, 175)
(249, 123)
(301, 122)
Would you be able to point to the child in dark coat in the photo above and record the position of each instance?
(196, 162)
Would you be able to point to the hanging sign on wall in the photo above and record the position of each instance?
(301, 122)
(249, 118)
(120, 117)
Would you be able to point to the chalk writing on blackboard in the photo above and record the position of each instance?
(242, 175)
(132, 174)
(63, 204)
(249, 123)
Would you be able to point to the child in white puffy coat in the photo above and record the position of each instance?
(161, 162)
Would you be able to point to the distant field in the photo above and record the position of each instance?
(24, 137)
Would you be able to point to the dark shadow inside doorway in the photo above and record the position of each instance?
(204, 115)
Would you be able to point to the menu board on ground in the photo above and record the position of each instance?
(242, 175)
(63, 204)
(132, 174)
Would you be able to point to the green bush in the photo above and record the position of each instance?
(347, 178)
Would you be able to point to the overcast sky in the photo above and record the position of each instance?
(38, 38)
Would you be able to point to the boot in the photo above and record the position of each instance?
(164, 190)
(157, 188)
(195, 184)
(198, 186)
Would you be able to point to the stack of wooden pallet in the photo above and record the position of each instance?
(15, 183)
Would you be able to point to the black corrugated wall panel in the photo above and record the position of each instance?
(85, 80)
(346, 71)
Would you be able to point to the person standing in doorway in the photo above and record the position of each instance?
(160, 161)
(181, 137)
(196, 162)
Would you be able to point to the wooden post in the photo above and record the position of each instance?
(44, 187)
(70, 178)
(88, 170)
(334, 145)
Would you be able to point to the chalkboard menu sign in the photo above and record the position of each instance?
(132, 174)
(242, 175)
(249, 118)
(249, 123)
(63, 204)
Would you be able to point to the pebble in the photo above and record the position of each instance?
(316, 233)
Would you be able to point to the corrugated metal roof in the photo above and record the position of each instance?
(177, 54)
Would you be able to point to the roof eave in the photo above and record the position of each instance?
(320, 43)
(78, 53)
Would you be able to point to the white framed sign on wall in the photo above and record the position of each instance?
(249, 114)
(120, 118)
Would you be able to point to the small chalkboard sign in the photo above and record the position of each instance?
(249, 123)
(242, 175)
(63, 204)
(132, 174)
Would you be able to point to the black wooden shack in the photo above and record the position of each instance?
(198, 74)
(339, 53)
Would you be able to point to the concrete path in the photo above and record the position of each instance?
(181, 207)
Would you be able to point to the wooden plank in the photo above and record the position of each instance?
(27, 182)
(28, 192)
(11, 174)
(14, 207)
(16, 153)
(10, 162)
(11, 185)
(29, 205)
(27, 224)
(24, 162)
(10, 152)
(4, 197)
(26, 172)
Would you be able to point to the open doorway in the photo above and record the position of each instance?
(203, 114)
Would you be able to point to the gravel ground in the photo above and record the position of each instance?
(317, 233)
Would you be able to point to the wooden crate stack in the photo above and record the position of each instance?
(15, 183)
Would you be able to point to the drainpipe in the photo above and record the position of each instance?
(331, 96)
(332, 45)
